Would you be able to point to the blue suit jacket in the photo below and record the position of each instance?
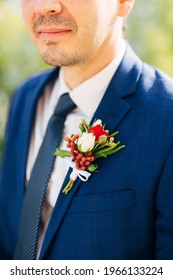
(124, 211)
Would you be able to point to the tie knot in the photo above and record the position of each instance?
(64, 106)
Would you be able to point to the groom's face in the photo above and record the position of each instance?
(70, 32)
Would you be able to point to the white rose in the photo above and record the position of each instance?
(86, 142)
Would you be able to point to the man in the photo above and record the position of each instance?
(123, 211)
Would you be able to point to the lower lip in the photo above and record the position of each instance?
(53, 35)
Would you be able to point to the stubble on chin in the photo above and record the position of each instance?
(62, 59)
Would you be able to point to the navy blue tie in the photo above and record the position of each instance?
(31, 212)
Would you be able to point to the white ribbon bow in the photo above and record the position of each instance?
(83, 175)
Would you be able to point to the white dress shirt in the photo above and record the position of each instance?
(87, 97)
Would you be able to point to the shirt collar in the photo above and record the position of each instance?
(88, 95)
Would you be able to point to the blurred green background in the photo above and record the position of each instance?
(149, 31)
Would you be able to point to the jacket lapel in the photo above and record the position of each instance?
(111, 110)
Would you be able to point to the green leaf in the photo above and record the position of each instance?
(105, 149)
(62, 153)
(108, 151)
(84, 126)
(113, 134)
(92, 167)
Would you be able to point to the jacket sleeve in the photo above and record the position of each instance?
(164, 213)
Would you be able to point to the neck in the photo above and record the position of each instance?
(77, 74)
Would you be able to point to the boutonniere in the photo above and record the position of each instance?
(94, 142)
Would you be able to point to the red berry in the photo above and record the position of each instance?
(77, 167)
(83, 168)
(80, 155)
(73, 138)
(92, 158)
(72, 144)
(67, 139)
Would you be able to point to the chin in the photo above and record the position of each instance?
(60, 60)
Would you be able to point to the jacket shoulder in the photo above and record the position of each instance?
(155, 83)
(32, 88)
(37, 80)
